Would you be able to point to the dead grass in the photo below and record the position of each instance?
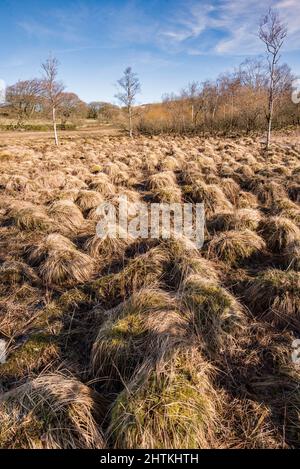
(67, 216)
(234, 247)
(191, 347)
(144, 328)
(275, 295)
(170, 406)
(51, 412)
(60, 263)
(279, 232)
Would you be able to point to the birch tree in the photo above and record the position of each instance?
(129, 87)
(272, 33)
(52, 89)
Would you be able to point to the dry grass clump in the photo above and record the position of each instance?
(102, 184)
(29, 217)
(275, 295)
(235, 246)
(16, 272)
(212, 196)
(160, 181)
(172, 405)
(87, 200)
(241, 219)
(279, 232)
(51, 412)
(269, 192)
(67, 215)
(118, 172)
(291, 256)
(39, 251)
(215, 314)
(108, 248)
(247, 200)
(144, 270)
(142, 329)
(168, 195)
(59, 262)
(185, 259)
(231, 190)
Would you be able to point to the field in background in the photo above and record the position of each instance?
(149, 344)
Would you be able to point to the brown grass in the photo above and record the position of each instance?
(275, 295)
(279, 232)
(235, 246)
(190, 346)
(51, 412)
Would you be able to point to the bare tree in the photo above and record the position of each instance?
(52, 89)
(191, 93)
(23, 98)
(130, 87)
(252, 73)
(273, 33)
(70, 107)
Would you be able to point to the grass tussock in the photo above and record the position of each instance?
(215, 315)
(242, 219)
(51, 412)
(211, 195)
(87, 200)
(60, 263)
(144, 270)
(234, 247)
(67, 215)
(102, 184)
(190, 346)
(29, 217)
(108, 248)
(279, 232)
(144, 328)
(172, 405)
(275, 295)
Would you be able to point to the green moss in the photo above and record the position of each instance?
(73, 299)
(96, 169)
(18, 436)
(281, 280)
(131, 325)
(122, 343)
(165, 409)
(37, 351)
(50, 315)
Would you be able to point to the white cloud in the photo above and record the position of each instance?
(234, 24)
(195, 27)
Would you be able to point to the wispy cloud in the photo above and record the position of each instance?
(194, 27)
(230, 24)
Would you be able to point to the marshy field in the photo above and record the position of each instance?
(123, 343)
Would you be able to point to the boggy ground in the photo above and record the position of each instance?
(149, 344)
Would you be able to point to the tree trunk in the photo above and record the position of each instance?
(130, 122)
(271, 106)
(54, 126)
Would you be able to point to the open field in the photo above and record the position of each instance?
(149, 344)
(100, 130)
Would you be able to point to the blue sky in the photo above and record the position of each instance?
(167, 42)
